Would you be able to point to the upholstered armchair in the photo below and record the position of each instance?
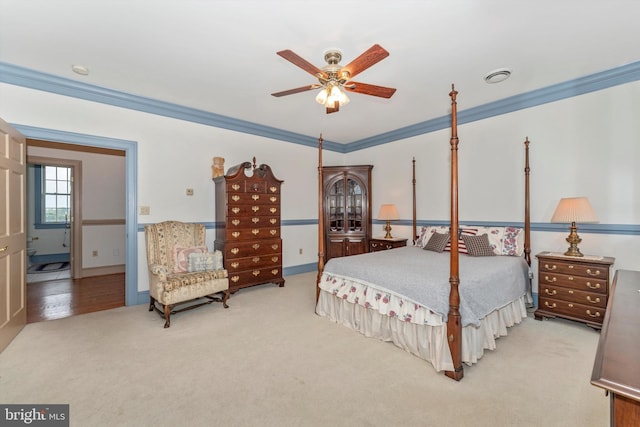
(181, 270)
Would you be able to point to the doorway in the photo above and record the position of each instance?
(89, 284)
(54, 216)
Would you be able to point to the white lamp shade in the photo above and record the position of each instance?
(388, 213)
(574, 209)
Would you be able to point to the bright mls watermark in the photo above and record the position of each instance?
(34, 415)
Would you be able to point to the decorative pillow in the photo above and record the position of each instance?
(462, 248)
(427, 231)
(218, 264)
(513, 241)
(181, 257)
(201, 262)
(437, 242)
(478, 245)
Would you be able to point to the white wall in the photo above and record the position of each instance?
(586, 145)
(583, 146)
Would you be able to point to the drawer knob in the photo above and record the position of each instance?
(553, 305)
(274, 272)
(236, 234)
(235, 264)
(273, 220)
(255, 208)
(235, 210)
(255, 260)
(570, 305)
(273, 210)
(235, 251)
(550, 280)
(548, 292)
(235, 222)
(255, 196)
(235, 187)
(593, 301)
(235, 278)
(273, 199)
(571, 291)
(255, 220)
(593, 273)
(274, 259)
(255, 231)
(274, 247)
(256, 273)
(548, 267)
(235, 197)
(593, 286)
(596, 314)
(273, 189)
(255, 246)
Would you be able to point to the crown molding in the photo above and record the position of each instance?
(20, 76)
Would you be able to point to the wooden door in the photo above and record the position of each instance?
(13, 310)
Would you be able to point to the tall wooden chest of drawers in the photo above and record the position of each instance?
(574, 288)
(248, 225)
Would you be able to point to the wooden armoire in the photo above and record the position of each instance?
(347, 210)
(248, 225)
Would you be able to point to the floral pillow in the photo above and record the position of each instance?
(505, 240)
(427, 231)
(181, 257)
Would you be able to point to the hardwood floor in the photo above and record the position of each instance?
(55, 299)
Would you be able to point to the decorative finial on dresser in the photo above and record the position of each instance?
(254, 162)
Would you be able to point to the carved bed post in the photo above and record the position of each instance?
(320, 220)
(454, 323)
(413, 181)
(527, 207)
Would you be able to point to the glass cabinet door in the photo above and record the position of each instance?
(336, 206)
(345, 206)
(354, 205)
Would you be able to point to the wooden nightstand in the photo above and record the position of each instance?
(382, 244)
(575, 288)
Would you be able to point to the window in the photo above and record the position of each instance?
(53, 196)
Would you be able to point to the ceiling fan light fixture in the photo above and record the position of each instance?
(321, 97)
(330, 94)
(497, 76)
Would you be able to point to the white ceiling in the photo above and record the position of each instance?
(220, 56)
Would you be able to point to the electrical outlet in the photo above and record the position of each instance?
(94, 253)
(189, 191)
(145, 210)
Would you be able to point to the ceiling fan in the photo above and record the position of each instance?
(333, 78)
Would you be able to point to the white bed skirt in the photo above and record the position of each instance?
(425, 341)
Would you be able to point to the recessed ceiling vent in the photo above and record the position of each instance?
(497, 76)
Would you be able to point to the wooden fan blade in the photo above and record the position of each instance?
(296, 59)
(296, 90)
(372, 56)
(366, 89)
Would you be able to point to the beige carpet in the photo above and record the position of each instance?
(268, 360)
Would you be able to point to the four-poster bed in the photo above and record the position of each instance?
(399, 295)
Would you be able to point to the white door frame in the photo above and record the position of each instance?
(131, 193)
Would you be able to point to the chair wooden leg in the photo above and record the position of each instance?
(225, 298)
(167, 315)
(151, 305)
